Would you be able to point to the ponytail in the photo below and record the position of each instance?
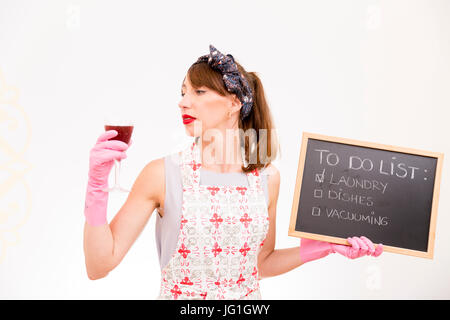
(259, 152)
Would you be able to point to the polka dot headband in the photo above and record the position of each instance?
(235, 81)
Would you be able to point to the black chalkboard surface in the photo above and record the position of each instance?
(350, 188)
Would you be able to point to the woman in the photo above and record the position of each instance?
(215, 226)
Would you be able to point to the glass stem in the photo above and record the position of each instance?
(117, 173)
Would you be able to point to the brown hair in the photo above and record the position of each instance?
(266, 148)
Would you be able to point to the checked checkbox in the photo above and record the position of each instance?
(320, 176)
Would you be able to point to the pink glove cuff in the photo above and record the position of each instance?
(312, 250)
(96, 204)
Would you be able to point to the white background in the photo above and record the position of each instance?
(375, 71)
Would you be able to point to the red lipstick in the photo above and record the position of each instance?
(187, 119)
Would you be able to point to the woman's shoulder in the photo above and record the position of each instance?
(150, 181)
(273, 181)
(157, 166)
(270, 170)
(273, 175)
(154, 167)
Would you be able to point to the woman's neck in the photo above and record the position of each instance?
(221, 150)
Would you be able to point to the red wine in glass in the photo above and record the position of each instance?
(124, 133)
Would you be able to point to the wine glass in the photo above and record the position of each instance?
(125, 130)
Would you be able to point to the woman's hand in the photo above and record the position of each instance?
(359, 246)
(101, 160)
(102, 156)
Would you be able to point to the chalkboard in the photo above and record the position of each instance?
(350, 188)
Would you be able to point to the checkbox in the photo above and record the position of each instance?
(315, 211)
(317, 193)
(320, 176)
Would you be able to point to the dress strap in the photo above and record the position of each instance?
(190, 165)
(254, 179)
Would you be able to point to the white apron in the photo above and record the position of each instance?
(221, 233)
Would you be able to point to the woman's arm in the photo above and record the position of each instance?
(106, 245)
(273, 262)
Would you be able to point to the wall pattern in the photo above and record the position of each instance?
(15, 192)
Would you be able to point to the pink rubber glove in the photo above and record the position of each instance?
(101, 160)
(312, 249)
(359, 247)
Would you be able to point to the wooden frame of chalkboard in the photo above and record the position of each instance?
(417, 189)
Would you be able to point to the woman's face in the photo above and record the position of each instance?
(209, 109)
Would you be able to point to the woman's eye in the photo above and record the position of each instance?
(198, 91)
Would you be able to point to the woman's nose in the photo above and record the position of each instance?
(184, 102)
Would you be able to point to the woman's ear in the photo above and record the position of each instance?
(236, 104)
